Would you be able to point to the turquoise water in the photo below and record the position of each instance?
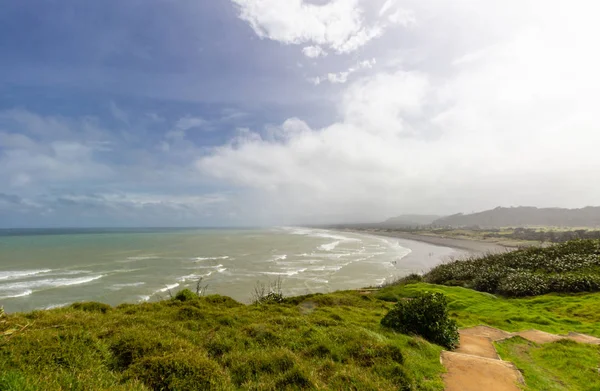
(49, 268)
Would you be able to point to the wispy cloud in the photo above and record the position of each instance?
(342, 77)
(314, 51)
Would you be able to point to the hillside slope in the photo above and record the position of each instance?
(525, 216)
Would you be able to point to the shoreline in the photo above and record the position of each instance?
(472, 247)
(423, 256)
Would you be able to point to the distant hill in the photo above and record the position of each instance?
(525, 216)
(410, 220)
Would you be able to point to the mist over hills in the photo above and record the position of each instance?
(411, 220)
(520, 216)
(525, 216)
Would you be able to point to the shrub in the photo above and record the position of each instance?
(190, 313)
(92, 306)
(425, 315)
(412, 278)
(186, 295)
(181, 372)
(567, 268)
(294, 379)
(135, 344)
(271, 294)
(523, 283)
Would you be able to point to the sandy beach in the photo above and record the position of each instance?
(429, 251)
(469, 246)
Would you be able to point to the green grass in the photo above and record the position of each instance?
(323, 341)
(553, 313)
(558, 366)
(332, 341)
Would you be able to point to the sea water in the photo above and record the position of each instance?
(42, 269)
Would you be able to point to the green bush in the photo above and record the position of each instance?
(190, 313)
(133, 345)
(425, 315)
(181, 372)
(186, 295)
(92, 306)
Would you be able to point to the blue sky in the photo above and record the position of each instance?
(257, 112)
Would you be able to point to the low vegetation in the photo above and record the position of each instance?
(553, 313)
(558, 366)
(570, 267)
(332, 341)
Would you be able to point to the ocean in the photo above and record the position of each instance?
(42, 269)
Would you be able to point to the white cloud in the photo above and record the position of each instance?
(118, 113)
(512, 122)
(314, 51)
(49, 149)
(338, 24)
(189, 122)
(342, 77)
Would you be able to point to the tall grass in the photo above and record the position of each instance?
(331, 341)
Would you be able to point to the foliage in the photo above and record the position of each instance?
(92, 306)
(409, 279)
(553, 313)
(425, 315)
(558, 366)
(271, 294)
(321, 341)
(186, 295)
(568, 267)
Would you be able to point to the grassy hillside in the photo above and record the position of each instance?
(558, 366)
(333, 341)
(329, 341)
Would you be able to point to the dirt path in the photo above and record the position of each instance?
(476, 366)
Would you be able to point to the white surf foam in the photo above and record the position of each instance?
(48, 283)
(20, 274)
(140, 258)
(117, 287)
(17, 294)
(288, 273)
(194, 277)
(168, 288)
(329, 246)
(334, 268)
(200, 259)
(54, 306)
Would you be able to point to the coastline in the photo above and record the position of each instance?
(424, 255)
(472, 247)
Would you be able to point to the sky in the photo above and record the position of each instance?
(281, 112)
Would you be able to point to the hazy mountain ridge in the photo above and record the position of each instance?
(525, 216)
(412, 220)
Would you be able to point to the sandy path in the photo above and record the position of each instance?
(472, 373)
(476, 366)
